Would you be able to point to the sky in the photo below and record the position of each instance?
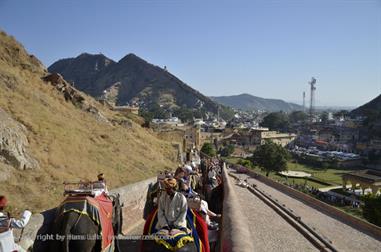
(268, 48)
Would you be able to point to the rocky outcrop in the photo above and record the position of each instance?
(74, 96)
(13, 144)
(70, 93)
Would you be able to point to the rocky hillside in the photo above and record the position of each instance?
(374, 106)
(132, 80)
(371, 111)
(249, 102)
(50, 133)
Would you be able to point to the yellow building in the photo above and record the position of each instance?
(259, 137)
(365, 179)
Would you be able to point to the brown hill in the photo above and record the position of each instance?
(68, 133)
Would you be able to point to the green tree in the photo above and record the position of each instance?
(324, 117)
(227, 150)
(246, 163)
(297, 116)
(276, 121)
(208, 149)
(372, 209)
(341, 113)
(271, 157)
(148, 116)
(184, 114)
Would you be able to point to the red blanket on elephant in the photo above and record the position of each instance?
(99, 209)
(194, 221)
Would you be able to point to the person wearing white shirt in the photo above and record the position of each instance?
(100, 186)
(172, 208)
(7, 242)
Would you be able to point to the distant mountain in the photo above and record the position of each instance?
(132, 80)
(334, 108)
(250, 102)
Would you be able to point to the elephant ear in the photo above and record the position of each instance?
(117, 218)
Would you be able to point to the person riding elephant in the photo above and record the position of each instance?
(172, 209)
(7, 224)
(100, 185)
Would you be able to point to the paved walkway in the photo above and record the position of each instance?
(343, 237)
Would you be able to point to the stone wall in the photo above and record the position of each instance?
(235, 235)
(133, 197)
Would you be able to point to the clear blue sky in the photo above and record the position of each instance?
(266, 48)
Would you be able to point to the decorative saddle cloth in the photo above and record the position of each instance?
(198, 234)
(98, 209)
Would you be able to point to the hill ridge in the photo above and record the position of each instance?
(247, 101)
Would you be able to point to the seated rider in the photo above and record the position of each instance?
(189, 193)
(172, 209)
(206, 213)
(212, 177)
(187, 182)
(7, 224)
(100, 185)
(179, 176)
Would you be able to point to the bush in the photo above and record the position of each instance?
(227, 150)
(208, 149)
(246, 163)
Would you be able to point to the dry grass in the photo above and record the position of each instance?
(68, 142)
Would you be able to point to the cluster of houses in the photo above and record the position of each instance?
(339, 158)
(347, 135)
(343, 140)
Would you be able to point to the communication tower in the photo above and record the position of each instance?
(312, 83)
(304, 101)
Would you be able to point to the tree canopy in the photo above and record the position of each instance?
(271, 157)
(324, 117)
(276, 121)
(208, 149)
(227, 150)
(341, 113)
(297, 116)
